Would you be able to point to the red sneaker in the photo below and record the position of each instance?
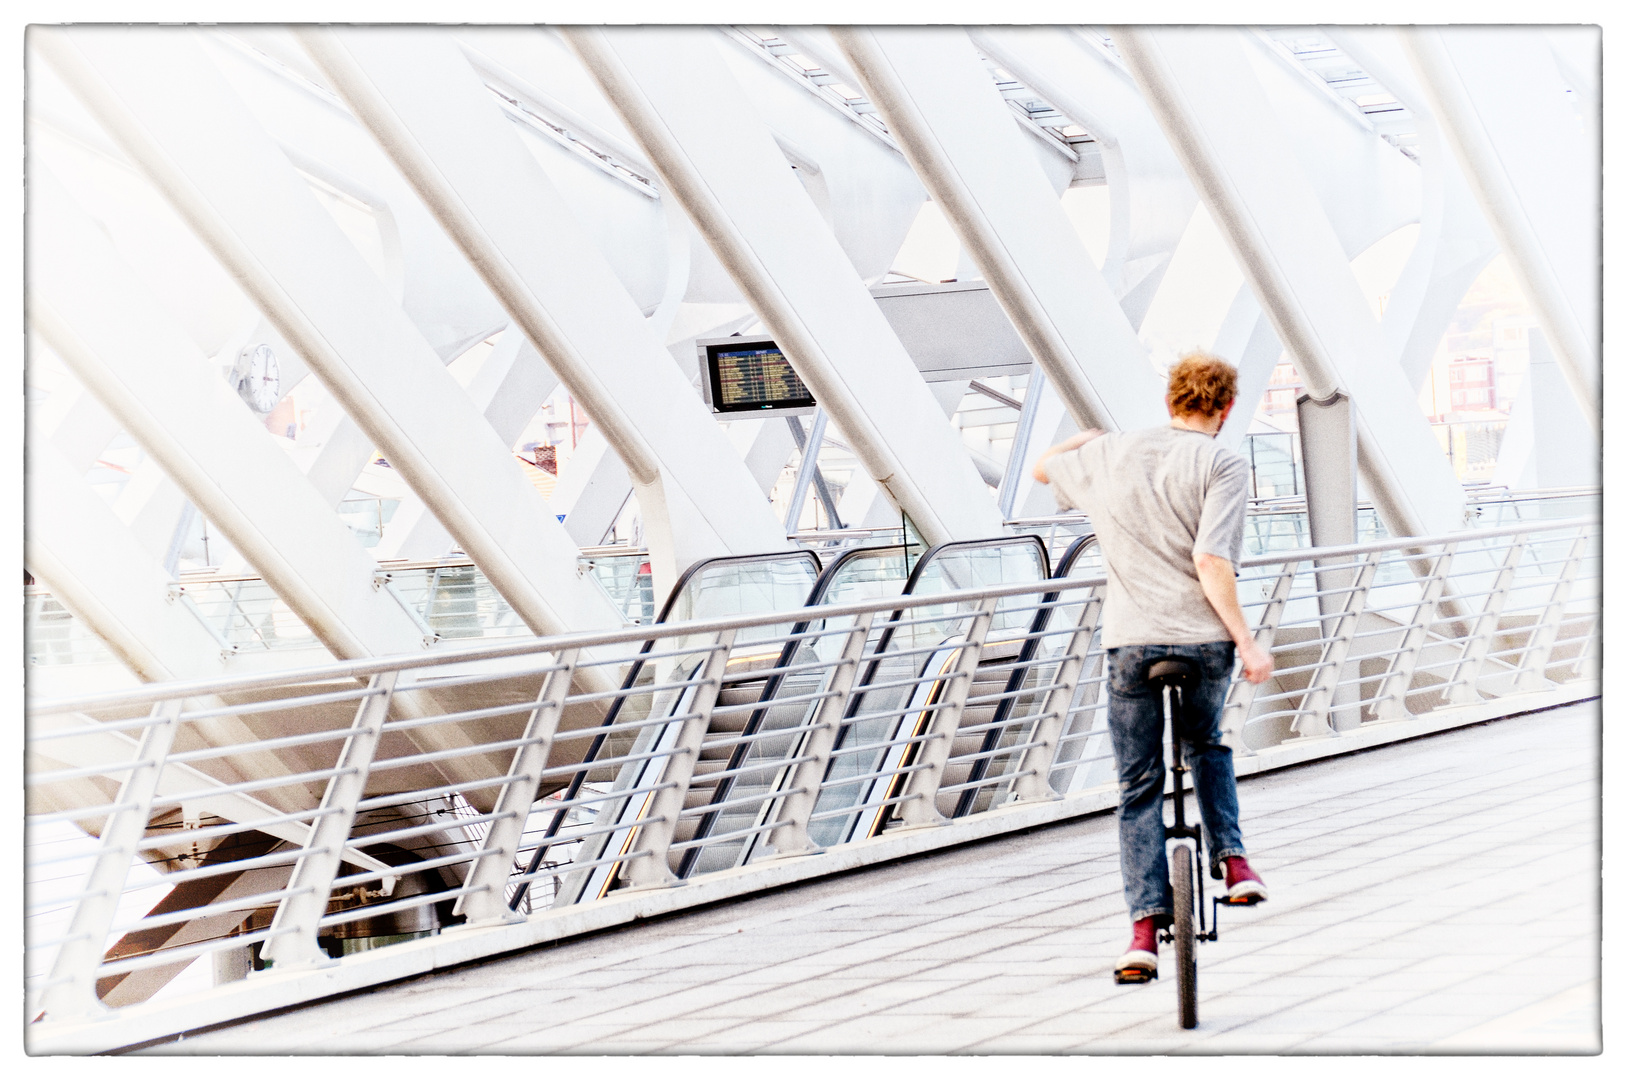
(1139, 963)
(1242, 885)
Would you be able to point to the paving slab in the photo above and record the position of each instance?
(1438, 895)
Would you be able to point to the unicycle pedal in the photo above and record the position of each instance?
(1240, 901)
(1133, 975)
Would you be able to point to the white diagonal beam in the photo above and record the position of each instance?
(1199, 84)
(958, 133)
(1500, 101)
(158, 94)
(416, 93)
(146, 371)
(674, 91)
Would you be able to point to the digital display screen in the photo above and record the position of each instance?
(753, 376)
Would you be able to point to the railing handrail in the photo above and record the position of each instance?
(597, 639)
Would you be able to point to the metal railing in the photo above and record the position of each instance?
(517, 792)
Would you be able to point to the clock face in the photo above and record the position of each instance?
(261, 382)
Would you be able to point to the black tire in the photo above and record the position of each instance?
(1185, 939)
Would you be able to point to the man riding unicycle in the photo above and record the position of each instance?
(1168, 505)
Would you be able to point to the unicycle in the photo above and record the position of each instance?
(1171, 678)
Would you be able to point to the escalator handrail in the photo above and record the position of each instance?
(787, 654)
(1019, 671)
(770, 690)
(574, 787)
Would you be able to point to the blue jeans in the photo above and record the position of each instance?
(1135, 718)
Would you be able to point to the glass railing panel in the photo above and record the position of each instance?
(629, 583)
(54, 636)
(247, 613)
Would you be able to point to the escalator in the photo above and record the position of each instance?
(594, 820)
(765, 706)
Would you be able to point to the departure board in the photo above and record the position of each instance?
(753, 376)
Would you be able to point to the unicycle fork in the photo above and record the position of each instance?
(1172, 678)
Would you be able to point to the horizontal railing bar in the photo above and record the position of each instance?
(544, 806)
(744, 800)
(848, 781)
(359, 840)
(723, 838)
(246, 903)
(174, 956)
(401, 798)
(255, 708)
(281, 742)
(152, 843)
(570, 867)
(759, 736)
(773, 703)
(87, 770)
(1413, 547)
(252, 785)
(373, 911)
(74, 814)
(413, 867)
(861, 807)
(466, 715)
(593, 766)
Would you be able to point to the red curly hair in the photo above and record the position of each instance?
(1201, 384)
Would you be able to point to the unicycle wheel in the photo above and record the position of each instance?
(1185, 933)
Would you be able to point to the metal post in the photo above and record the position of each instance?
(1465, 675)
(1544, 635)
(1033, 782)
(807, 469)
(294, 928)
(1327, 443)
(791, 838)
(1320, 715)
(1242, 691)
(1016, 463)
(651, 871)
(74, 998)
(919, 807)
(490, 871)
(1390, 703)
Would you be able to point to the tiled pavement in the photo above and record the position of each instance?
(1440, 895)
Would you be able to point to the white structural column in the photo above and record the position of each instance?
(1216, 116)
(1499, 98)
(958, 133)
(1151, 200)
(720, 161)
(157, 94)
(416, 93)
(148, 373)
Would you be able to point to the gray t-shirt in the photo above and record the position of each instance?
(1156, 498)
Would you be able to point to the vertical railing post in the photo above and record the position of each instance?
(1264, 635)
(1033, 780)
(791, 838)
(919, 805)
(1390, 703)
(72, 995)
(1539, 648)
(1315, 717)
(655, 837)
(294, 927)
(490, 871)
(1465, 675)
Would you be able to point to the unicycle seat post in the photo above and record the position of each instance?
(1172, 676)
